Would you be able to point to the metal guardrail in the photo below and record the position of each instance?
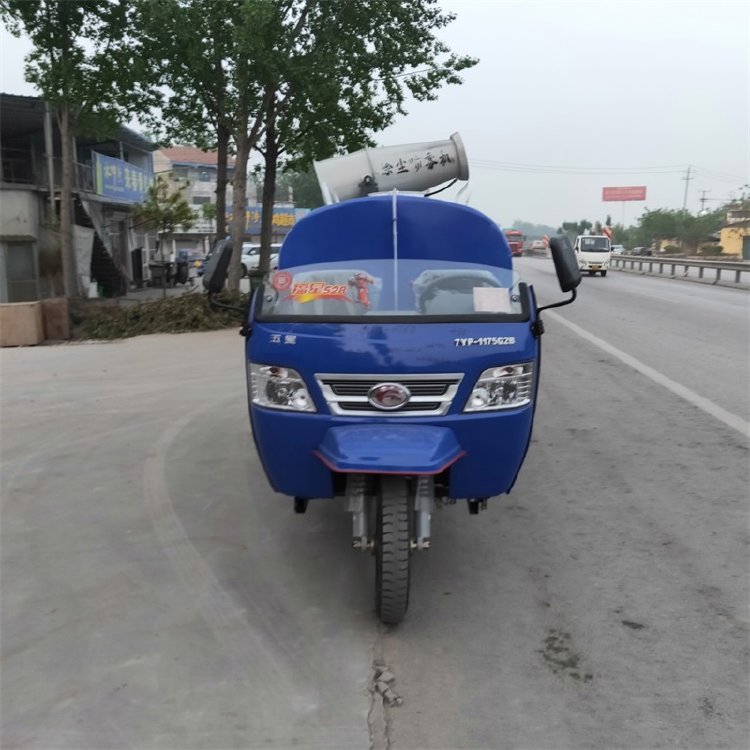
(736, 267)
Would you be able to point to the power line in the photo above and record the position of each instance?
(521, 167)
(718, 174)
(550, 169)
(558, 166)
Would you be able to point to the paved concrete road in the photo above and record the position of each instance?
(157, 594)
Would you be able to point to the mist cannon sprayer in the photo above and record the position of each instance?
(413, 167)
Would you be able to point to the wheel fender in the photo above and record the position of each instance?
(389, 449)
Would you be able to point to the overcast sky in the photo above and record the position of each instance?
(630, 93)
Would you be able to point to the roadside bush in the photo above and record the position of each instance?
(672, 249)
(711, 250)
(188, 312)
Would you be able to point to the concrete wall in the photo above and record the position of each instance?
(18, 213)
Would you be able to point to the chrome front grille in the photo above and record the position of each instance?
(431, 395)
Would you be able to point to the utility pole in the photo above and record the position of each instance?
(704, 199)
(687, 179)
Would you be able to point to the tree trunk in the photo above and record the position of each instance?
(222, 154)
(239, 221)
(269, 192)
(70, 279)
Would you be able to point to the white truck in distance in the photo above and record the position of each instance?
(593, 252)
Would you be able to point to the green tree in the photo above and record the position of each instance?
(622, 235)
(343, 72)
(657, 225)
(86, 67)
(163, 212)
(574, 228)
(191, 46)
(693, 231)
(305, 190)
(209, 212)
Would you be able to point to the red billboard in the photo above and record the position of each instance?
(632, 193)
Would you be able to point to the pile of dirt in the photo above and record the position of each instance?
(188, 312)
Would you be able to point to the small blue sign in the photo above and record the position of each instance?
(115, 178)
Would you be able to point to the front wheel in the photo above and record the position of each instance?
(392, 550)
(604, 273)
(243, 271)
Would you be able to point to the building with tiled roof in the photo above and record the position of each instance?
(190, 156)
(193, 170)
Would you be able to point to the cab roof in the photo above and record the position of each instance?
(363, 228)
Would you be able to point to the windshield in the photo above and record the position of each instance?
(367, 289)
(594, 244)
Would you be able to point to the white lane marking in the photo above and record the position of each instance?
(716, 411)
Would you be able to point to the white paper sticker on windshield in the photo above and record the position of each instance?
(491, 299)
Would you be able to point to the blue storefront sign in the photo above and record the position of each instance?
(115, 178)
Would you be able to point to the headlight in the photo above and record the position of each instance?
(278, 388)
(504, 387)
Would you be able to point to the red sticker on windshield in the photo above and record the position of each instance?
(281, 281)
(307, 292)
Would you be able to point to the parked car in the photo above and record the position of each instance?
(618, 249)
(251, 257)
(641, 251)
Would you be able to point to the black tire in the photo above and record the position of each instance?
(392, 550)
(243, 271)
(604, 273)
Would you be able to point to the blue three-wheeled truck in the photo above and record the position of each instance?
(393, 361)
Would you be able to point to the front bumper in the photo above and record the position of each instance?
(492, 447)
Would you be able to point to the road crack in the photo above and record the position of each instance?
(383, 699)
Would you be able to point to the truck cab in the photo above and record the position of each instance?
(593, 253)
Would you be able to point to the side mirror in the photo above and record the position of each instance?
(568, 275)
(217, 267)
(566, 265)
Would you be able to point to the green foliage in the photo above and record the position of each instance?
(189, 49)
(712, 250)
(83, 58)
(188, 312)
(533, 231)
(657, 225)
(574, 228)
(208, 211)
(672, 249)
(624, 236)
(330, 74)
(300, 79)
(164, 211)
(305, 188)
(667, 224)
(349, 68)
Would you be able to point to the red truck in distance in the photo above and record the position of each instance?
(515, 239)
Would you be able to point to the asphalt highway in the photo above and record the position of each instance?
(157, 594)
